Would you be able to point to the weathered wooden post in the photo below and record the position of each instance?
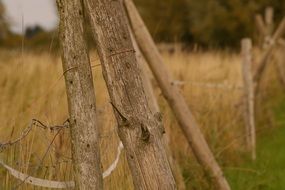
(81, 96)
(261, 28)
(153, 104)
(175, 99)
(246, 45)
(269, 26)
(260, 25)
(140, 131)
(266, 55)
(266, 26)
(269, 15)
(280, 63)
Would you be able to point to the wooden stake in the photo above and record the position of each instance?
(266, 55)
(175, 99)
(81, 96)
(269, 15)
(248, 96)
(279, 31)
(139, 130)
(260, 25)
(269, 26)
(279, 65)
(152, 102)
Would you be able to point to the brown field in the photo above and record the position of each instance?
(32, 86)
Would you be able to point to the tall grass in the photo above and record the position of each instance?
(32, 86)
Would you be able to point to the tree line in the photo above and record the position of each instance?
(209, 23)
(215, 23)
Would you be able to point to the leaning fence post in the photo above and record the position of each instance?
(269, 15)
(260, 25)
(139, 130)
(80, 95)
(269, 26)
(176, 101)
(248, 96)
(261, 28)
(279, 65)
(266, 55)
(154, 107)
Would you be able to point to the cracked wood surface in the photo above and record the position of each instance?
(174, 98)
(80, 95)
(138, 128)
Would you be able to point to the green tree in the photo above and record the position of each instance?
(220, 22)
(167, 20)
(3, 23)
(215, 23)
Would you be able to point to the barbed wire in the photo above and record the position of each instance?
(38, 124)
(26, 131)
(224, 86)
(25, 178)
(57, 184)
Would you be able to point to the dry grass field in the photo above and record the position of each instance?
(32, 86)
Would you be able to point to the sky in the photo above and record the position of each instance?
(31, 12)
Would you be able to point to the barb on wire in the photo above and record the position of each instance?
(25, 178)
(25, 132)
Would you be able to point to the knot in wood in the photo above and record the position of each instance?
(145, 134)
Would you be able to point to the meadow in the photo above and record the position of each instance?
(32, 87)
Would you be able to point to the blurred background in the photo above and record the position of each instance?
(207, 23)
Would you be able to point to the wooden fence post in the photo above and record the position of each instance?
(266, 55)
(279, 65)
(140, 131)
(269, 15)
(81, 96)
(261, 30)
(269, 26)
(248, 96)
(153, 104)
(260, 25)
(175, 99)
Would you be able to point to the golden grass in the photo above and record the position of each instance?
(32, 86)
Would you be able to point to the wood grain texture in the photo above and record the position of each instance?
(175, 99)
(246, 45)
(80, 95)
(153, 104)
(139, 130)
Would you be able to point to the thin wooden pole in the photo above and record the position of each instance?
(269, 15)
(248, 96)
(81, 96)
(260, 25)
(279, 65)
(279, 31)
(139, 130)
(175, 99)
(269, 26)
(266, 55)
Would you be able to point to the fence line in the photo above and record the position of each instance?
(208, 85)
(25, 178)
